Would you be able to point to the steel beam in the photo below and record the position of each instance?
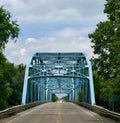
(58, 73)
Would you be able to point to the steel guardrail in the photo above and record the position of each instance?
(100, 110)
(19, 108)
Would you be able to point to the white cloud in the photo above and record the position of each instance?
(22, 51)
(68, 32)
(56, 10)
(65, 40)
(30, 40)
(81, 15)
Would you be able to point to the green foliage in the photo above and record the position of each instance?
(11, 83)
(112, 9)
(8, 28)
(17, 85)
(103, 88)
(106, 44)
(54, 98)
(11, 77)
(97, 85)
(66, 98)
(5, 89)
(80, 96)
(106, 41)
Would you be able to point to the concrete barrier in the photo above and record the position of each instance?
(101, 110)
(16, 109)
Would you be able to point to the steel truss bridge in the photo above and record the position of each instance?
(58, 73)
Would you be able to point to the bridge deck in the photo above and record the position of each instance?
(57, 113)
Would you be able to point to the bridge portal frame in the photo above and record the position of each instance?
(45, 66)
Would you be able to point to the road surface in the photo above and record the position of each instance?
(58, 112)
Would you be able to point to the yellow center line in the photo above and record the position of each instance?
(58, 117)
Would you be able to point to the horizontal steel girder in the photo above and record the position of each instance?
(58, 73)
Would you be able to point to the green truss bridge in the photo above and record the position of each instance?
(58, 73)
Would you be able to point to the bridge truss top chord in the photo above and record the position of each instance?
(58, 73)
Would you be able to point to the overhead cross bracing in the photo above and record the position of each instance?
(58, 73)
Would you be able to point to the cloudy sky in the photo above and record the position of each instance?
(52, 26)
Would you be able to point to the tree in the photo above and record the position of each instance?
(112, 9)
(8, 28)
(79, 96)
(5, 89)
(106, 44)
(11, 83)
(54, 98)
(98, 80)
(17, 85)
(106, 41)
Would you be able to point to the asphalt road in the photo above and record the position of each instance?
(57, 113)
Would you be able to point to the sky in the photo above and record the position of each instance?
(52, 26)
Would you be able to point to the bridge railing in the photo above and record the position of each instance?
(19, 108)
(101, 110)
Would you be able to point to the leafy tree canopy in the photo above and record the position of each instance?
(106, 41)
(8, 28)
(106, 44)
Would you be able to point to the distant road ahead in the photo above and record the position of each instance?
(57, 113)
